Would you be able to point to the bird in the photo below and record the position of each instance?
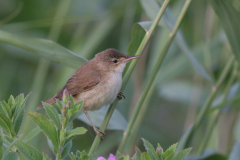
(97, 82)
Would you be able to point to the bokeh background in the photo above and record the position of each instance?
(88, 27)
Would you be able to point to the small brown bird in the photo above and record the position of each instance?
(97, 82)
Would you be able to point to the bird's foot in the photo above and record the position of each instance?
(120, 95)
(99, 133)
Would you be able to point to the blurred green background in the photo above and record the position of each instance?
(88, 27)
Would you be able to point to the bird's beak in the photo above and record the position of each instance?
(130, 58)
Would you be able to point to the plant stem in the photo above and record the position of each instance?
(216, 114)
(58, 156)
(141, 116)
(128, 73)
(187, 137)
(153, 75)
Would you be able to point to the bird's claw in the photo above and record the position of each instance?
(99, 133)
(120, 95)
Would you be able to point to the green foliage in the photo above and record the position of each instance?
(32, 134)
(156, 154)
(81, 156)
(229, 18)
(11, 114)
(28, 151)
(47, 127)
(11, 156)
(44, 48)
(52, 114)
(59, 132)
(45, 157)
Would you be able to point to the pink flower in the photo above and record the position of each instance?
(111, 157)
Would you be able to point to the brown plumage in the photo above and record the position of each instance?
(97, 82)
(81, 81)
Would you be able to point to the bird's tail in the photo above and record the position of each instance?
(49, 101)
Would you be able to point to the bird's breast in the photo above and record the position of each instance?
(104, 93)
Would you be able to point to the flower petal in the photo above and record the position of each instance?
(111, 157)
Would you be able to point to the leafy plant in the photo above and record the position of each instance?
(58, 128)
(156, 154)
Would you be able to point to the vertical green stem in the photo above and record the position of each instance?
(58, 156)
(216, 114)
(128, 73)
(153, 75)
(141, 116)
(187, 137)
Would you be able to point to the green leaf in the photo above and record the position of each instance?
(147, 144)
(169, 156)
(138, 32)
(44, 48)
(84, 155)
(77, 131)
(66, 149)
(70, 115)
(46, 126)
(145, 156)
(9, 147)
(59, 103)
(229, 19)
(153, 154)
(52, 114)
(7, 125)
(19, 98)
(32, 134)
(11, 156)
(72, 101)
(138, 153)
(235, 154)
(45, 157)
(181, 155)
(134, 157)
(19, 112)
(28, 151)
(72, 156)
(184, 139)
(7, 110)
(11, 101)
(118, 155)
(78, 106)
(169, 151)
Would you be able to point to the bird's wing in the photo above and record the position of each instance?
(80, 82)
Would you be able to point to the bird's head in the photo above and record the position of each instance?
(113, 60)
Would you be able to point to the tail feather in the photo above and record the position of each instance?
(49, 101)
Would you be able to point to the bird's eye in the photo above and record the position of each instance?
(115, 61)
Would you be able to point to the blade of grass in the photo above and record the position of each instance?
(187, 136)
(128, 73)
(215, 116)
(153, 75)
(229, 19)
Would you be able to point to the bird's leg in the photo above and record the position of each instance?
(120, 95)
(98, 132)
